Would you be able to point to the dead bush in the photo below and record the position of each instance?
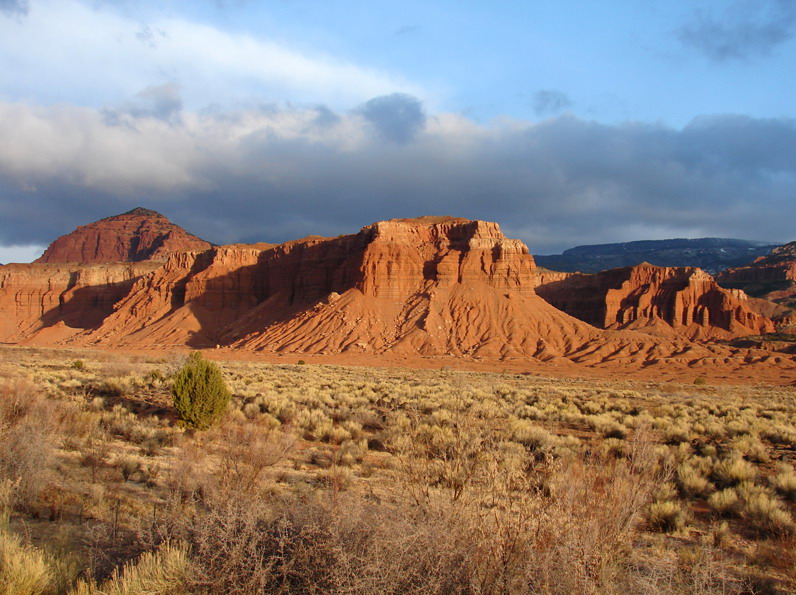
(246, 450)
(27, 439)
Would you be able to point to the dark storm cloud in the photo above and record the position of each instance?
(277, 174)
(397, 117)
(742, 29)
(740, 143)
(14, 7)
(549, 101)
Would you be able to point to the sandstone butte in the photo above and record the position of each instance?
(140, 234)
(415, 292)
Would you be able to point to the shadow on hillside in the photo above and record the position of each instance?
(87, 307)
(286, 280)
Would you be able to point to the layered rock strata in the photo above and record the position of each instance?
(428, 286)
(687, 300)
(35, 297)
(771, 277)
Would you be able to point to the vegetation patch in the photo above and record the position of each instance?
(314, 478)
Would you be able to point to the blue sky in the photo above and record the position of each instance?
(566, 122)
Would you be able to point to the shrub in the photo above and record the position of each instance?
(665, 491)
(23, 569)
(667, 515)
(725, 502)
(720, 534)
(781, 434)
(116, 386)
(677, 434)
(534, 437)
(27, 437)
(199, 392)
(155, 376)
(128, 466)
(785, 482)
(733, 470)
(28, 570)
(752, 447)
(166, 570)
(767, 514)
(692, 483)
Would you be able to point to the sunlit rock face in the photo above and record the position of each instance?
(134, 236)
(432, 285)
(686, 299)
(771, 277)
(424, 288)
(34, 297)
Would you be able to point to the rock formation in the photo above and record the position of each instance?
(421, 286)
(76, 282)
(134, 236)
(411, 289)
(546, 276)
(687, 300)
(771, 277)
(64, 299)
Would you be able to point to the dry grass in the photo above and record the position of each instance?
(346, 480)
(164, 571)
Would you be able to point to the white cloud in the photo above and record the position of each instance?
(206, 54)
(76, 145)
(68, 51)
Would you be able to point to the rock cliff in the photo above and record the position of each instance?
(771, 277)
(420, 286)
(409, 289)
(54, 301)
(134, 236)
(687, 300)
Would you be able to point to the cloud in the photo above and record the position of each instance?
(14, 7)
(325, 117)
(150, 35)
(397, 117)
(162, 102)
(742, 30)
(98, 54)
(550, 101)
(280, 172)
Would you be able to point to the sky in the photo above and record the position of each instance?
(568, 123)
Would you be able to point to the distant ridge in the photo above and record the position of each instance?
(709, 254)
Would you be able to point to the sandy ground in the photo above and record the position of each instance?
(759, 373)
